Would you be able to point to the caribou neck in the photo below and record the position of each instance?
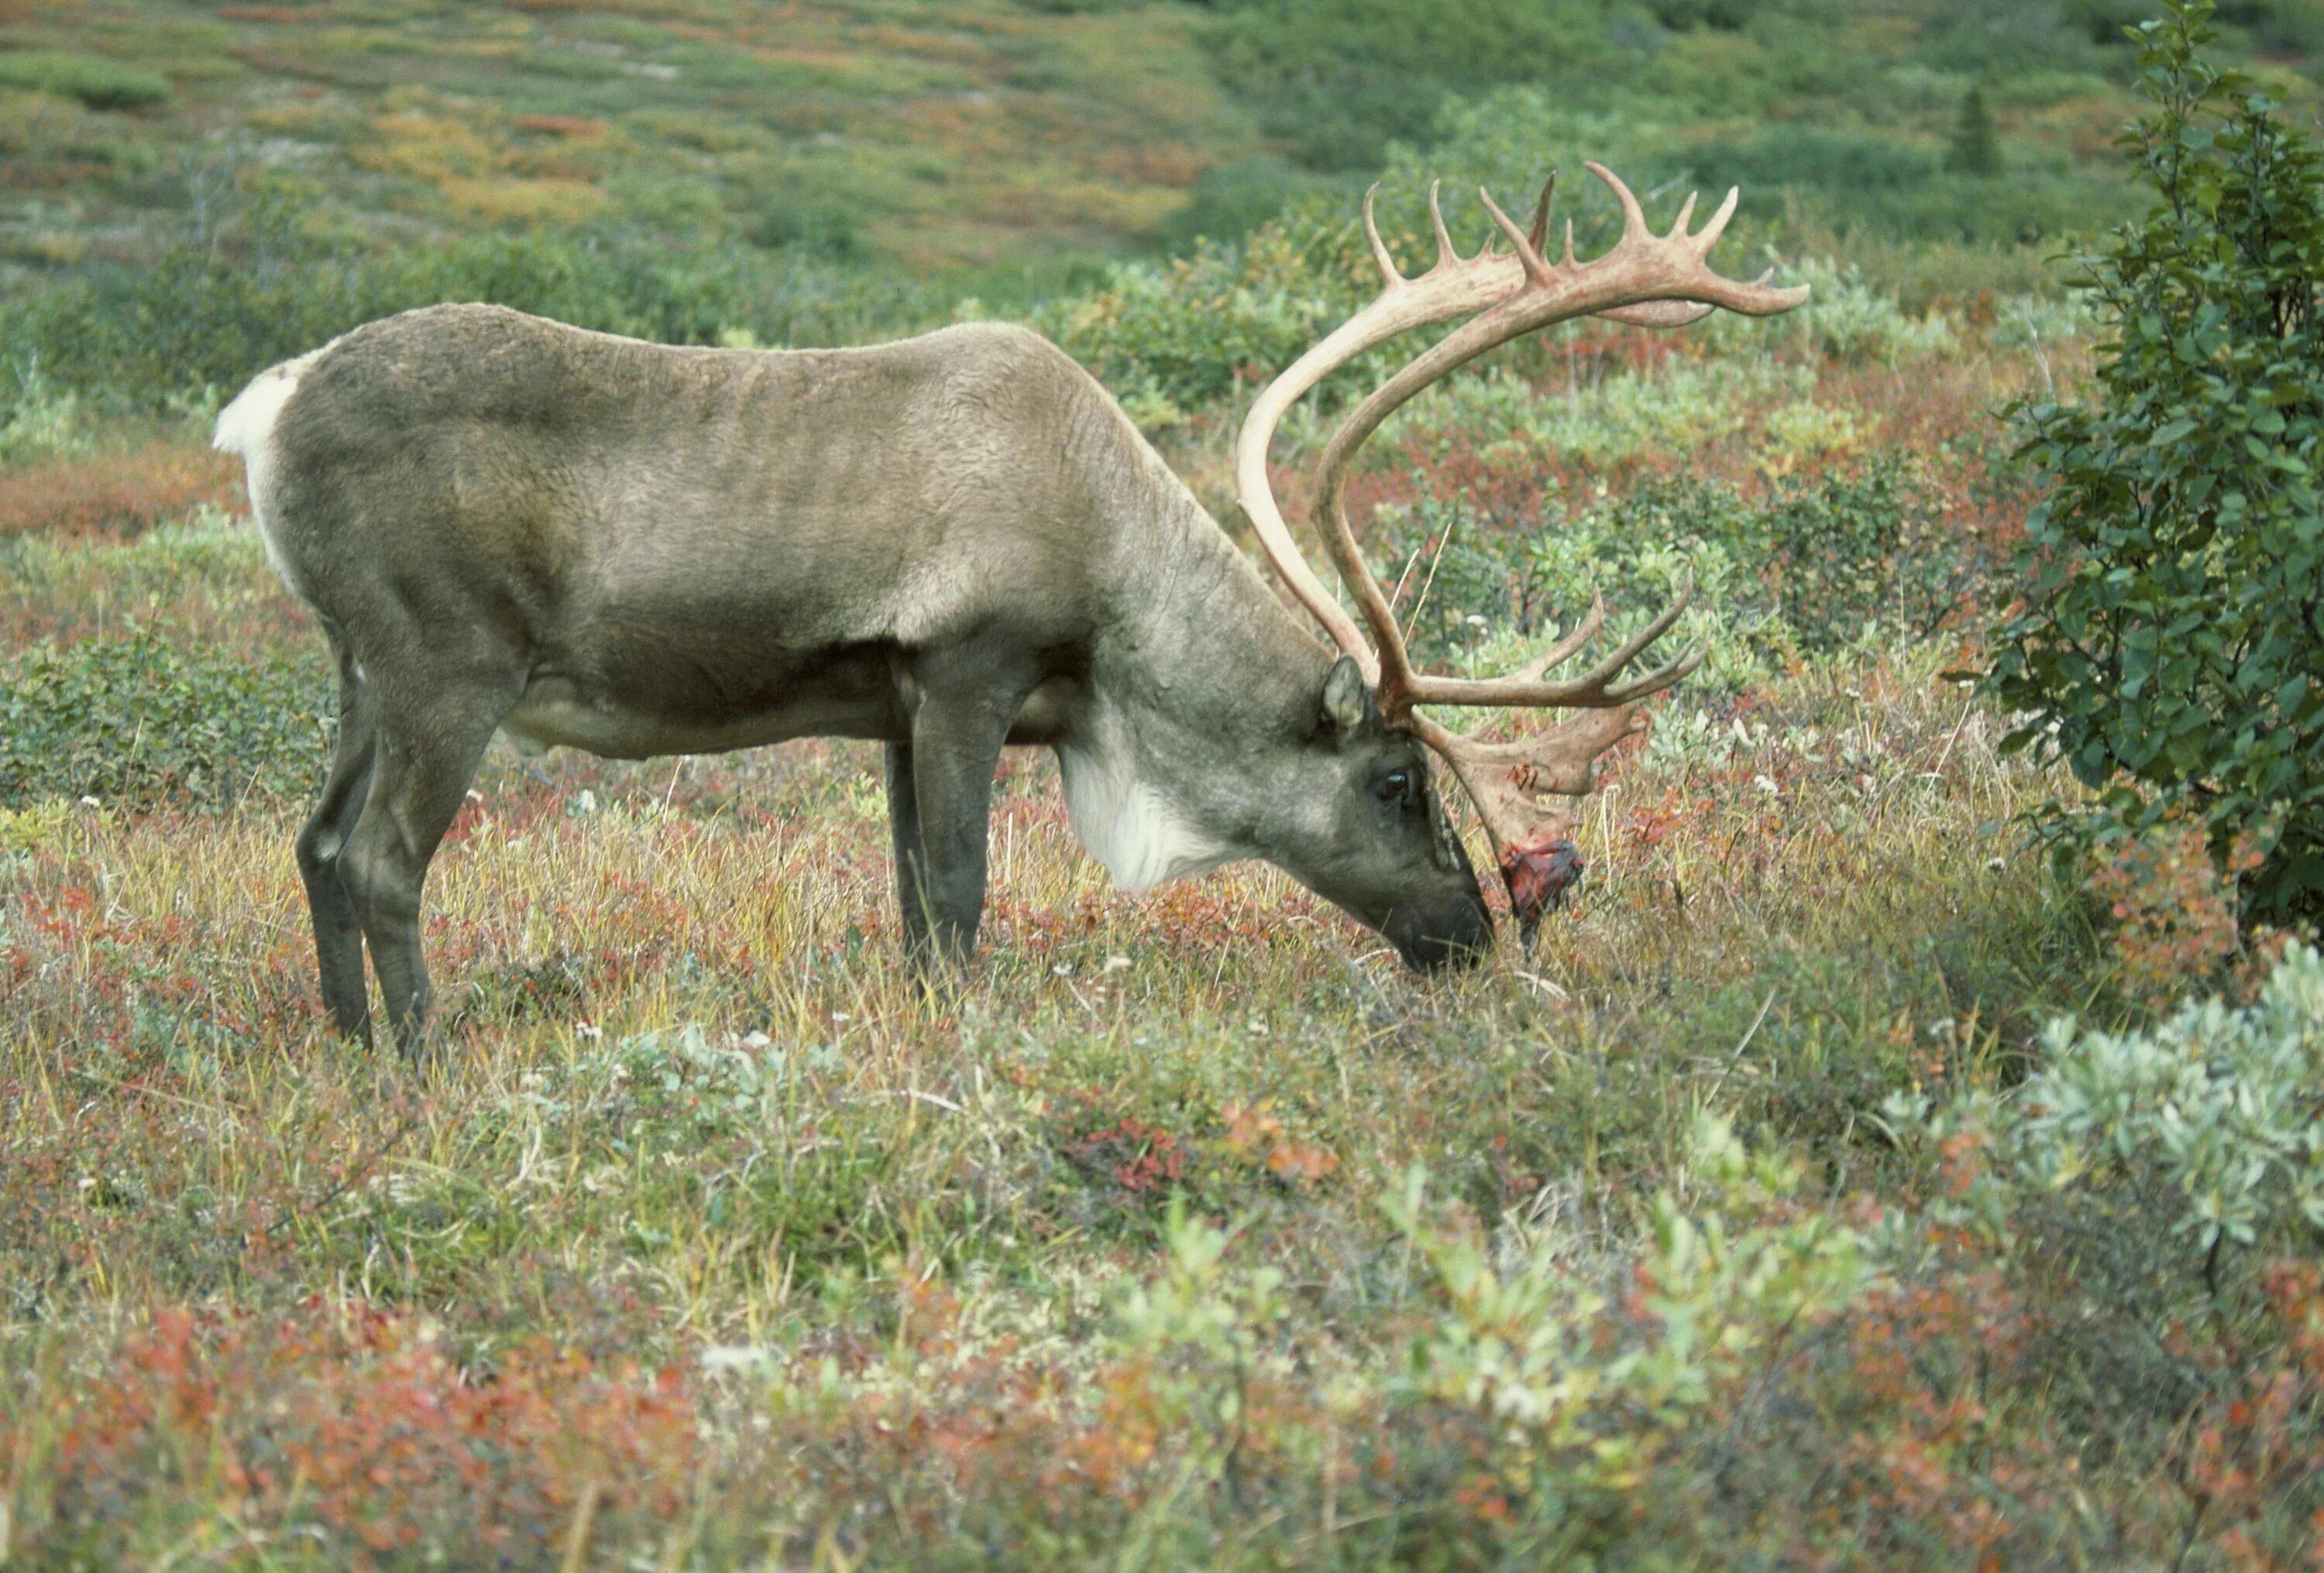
(1203, 682)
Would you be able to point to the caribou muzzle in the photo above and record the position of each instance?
(1457, 933)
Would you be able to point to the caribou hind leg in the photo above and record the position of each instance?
(338, 932)
(428, 753)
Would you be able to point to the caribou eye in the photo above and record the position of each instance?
(1395, 787)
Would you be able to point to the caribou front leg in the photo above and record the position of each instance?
(962, 711)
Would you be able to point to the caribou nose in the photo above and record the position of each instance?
(1457, 934)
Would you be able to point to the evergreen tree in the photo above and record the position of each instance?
(1976, 141)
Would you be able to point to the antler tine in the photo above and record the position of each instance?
(1685, 215)
(1660, 313)
(1634, 217)
(1537, 271)
(1664, 676)
(1712, 231)
(1390, 274)
(1524, 689)
(1567, 260)
(1537, 232)
(1445, 255)
(1565, 649)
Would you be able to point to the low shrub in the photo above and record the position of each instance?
(1167, 337)
(2159, 1196)
(96, 81)
(1814, 566)
(133, 720)
(39, 420)
(1234, 198)
(80, 493)
(210, 318)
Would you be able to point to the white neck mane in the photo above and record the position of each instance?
(1124, 822)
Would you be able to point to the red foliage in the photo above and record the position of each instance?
(560, 124)
(342, 1420)
(114, 494)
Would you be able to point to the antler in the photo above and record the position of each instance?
(1648, 280)
(1454, 288)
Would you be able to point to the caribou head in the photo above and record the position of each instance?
(1645, 280)
(947, 545)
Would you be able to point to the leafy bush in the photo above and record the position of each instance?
(1678, 406)
(1234, 198)
(203, 317)
(2166, 1171)
(1815, 566)
(1339, 79)
(38, 419)
(1165, 338)
(2166, 648)
(97, 83)
(2221, 1109)
(133, 720)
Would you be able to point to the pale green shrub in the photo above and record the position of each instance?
(1846, 319)
(1524, 1333)
(2217, 1114)
(1672, 407)
(40, 419)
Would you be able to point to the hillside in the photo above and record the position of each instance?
(930, 134)
(986, 134)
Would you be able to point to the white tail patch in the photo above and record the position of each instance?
(246, 427)
(1125, 823)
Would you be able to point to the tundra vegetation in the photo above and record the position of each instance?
(1843, 1180)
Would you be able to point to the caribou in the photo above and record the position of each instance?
(949, 544)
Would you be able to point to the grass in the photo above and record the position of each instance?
(696, 1107)
(1186, 1231)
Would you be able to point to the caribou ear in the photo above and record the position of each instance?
(1346, 698)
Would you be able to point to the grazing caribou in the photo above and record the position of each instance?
(948, 544)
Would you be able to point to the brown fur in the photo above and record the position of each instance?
(943, 544)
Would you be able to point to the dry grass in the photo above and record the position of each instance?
(1184, 1231)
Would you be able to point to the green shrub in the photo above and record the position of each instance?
(1338, 79)
(2167, 648)
(38, 419)
(1234, 198)
(214, 318)
(1165, 337)
(1816, 566)
(133, 720)
(1975, 147)
(2219, 1108)
(1669, 408)
(2159, 1198)
(97, 83)
(2168, 1165)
